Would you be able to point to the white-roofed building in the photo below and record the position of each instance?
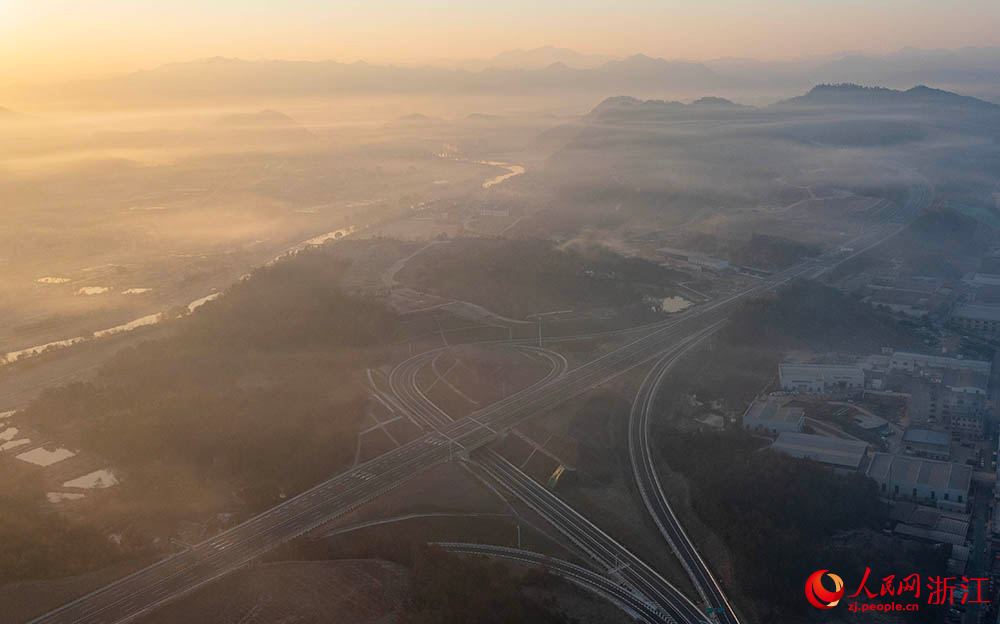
(821, 378)
(843, 455)
(942, 484)
(976, 317)
(913, 362)
(770, 415)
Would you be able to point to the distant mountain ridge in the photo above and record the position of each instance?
(235, 77)
(624, 107)
(850, 94)
(268, 123)
(845, 95)
(266, 117)
(546, 69)
(535, 58)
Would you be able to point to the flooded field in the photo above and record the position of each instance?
(13, 444)
(93, 290)
(151, 319)
(43, 457)
(512, 170)
(96, 480)
(674, 304)
(58, 497)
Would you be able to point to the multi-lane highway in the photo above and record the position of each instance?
(648, 483)
(636, 604)
(609, 556)
(177, 575)
(588, 538)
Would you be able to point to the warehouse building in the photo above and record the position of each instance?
(821, 378)
(842, 455)
(978, 280)
(913, 362)
(975, 317)
(937, 483)
(871, 422)
(770, 415)
(694, 259)
(927, 443)
(930, 524)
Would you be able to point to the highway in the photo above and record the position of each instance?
(636, 605)
(617, 563)
(584, 534)
(184, 572)
(608, 555)
(648, 483)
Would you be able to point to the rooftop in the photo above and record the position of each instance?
(920, 471)
(869, 421)
(926, 436)
(834, 451)
(898, 297)
(965, 379)
(837, 367)
(977, 312)
(982, 279)
(954, 522)
(773, 410)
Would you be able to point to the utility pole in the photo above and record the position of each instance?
(519, 536)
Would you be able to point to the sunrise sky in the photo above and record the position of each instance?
(54, 40)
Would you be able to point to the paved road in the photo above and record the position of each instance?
(643, 468)
(636, 604)
(648, 482)
(143, 591)
(633, 575)
(610, 556)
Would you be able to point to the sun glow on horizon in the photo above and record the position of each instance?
(59, 40)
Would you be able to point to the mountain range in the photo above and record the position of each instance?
(536, 58)
(854, 95)
(825, 96)
(548, 69)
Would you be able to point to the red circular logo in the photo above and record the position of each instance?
(819, 596)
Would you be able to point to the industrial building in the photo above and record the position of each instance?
(913, 362)
(871, 422)
(770, 415)
(930, 524)
(907, 303)
(821, 378)
(695, 259)
(842, 455)
(927, 481)
(976, 317)
(958, 398)
(927, 443)
(978, 280)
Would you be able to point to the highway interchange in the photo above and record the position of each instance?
(599, 584)
(446, 439)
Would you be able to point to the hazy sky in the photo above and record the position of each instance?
(43, 40)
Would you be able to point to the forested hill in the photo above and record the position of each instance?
(853, 95)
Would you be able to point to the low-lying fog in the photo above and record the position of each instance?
(113, 218)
